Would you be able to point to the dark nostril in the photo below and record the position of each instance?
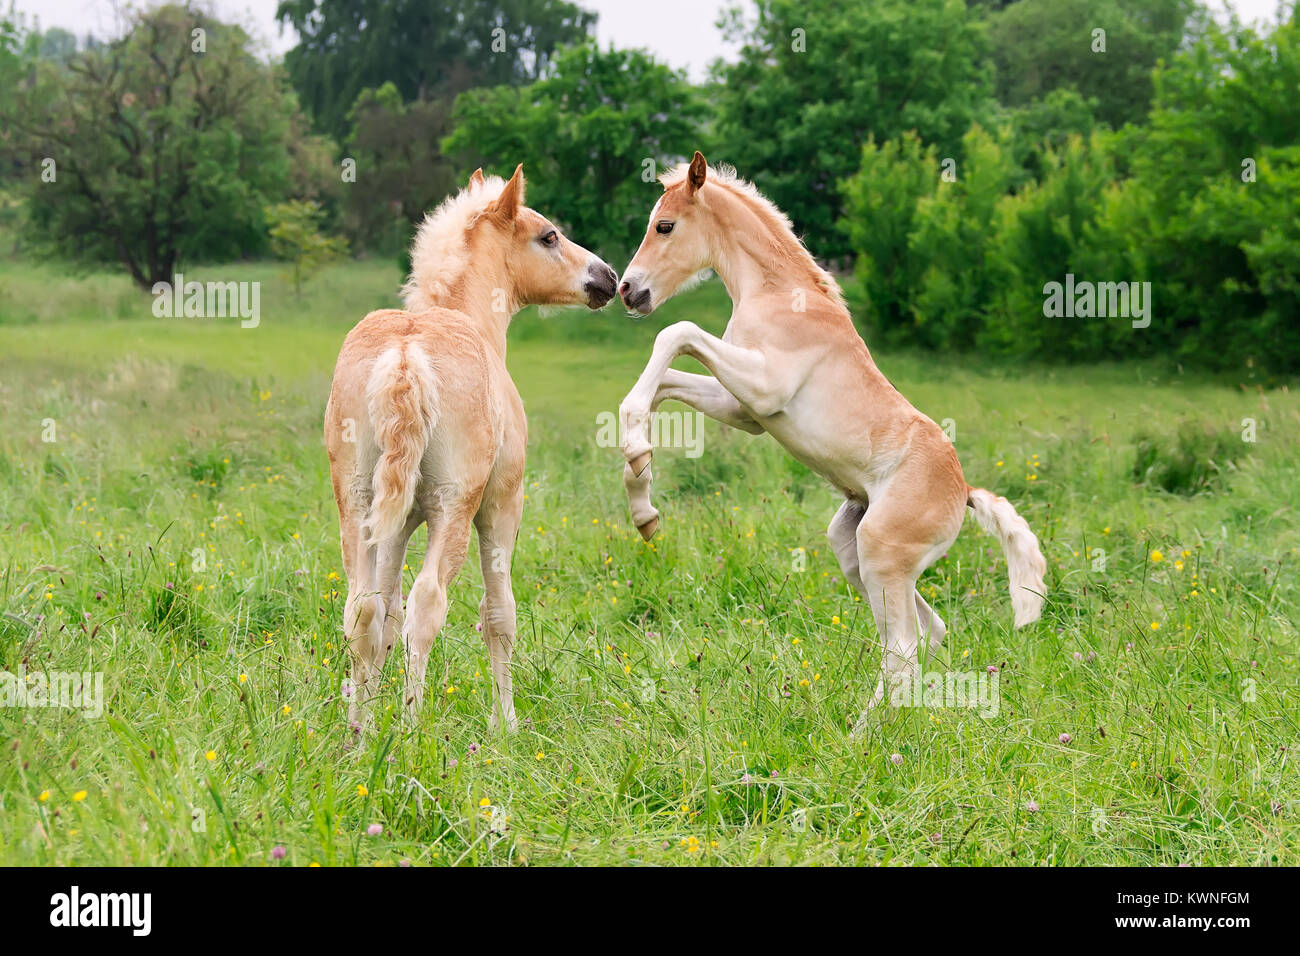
(622, 290)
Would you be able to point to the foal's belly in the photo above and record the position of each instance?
(842, 454)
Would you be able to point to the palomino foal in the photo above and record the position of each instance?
(790, 363)
(425, 425)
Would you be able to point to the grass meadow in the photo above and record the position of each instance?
(166, 519)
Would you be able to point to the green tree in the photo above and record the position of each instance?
(1045, 45)
(159, 148)
(1063, 224)
(815, 78)
(1215, 188)
(923, 228)
(592, 137)
(1048, 123)
(954, 231)
(428, 49)
(296, 238)
(400, 170)
(11, 66)
(880, 204)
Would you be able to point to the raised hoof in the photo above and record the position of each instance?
(649, 528)
(639, 463)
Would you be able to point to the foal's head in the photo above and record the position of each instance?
(727, 225)
(677, 245)
(487, 233)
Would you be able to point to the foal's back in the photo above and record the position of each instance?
(436, 364)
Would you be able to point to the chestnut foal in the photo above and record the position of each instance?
(791, 363)
(425, 425)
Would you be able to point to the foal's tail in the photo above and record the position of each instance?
(402, 396)
(1024, 559)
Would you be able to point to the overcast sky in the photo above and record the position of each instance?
(679, 32)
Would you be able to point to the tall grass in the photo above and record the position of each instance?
(682, 702)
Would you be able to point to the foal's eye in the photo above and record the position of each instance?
(664, 227)
(551, 238)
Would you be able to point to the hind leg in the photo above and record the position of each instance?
(844, 539)
(363, 611)
(889, 585)
(392, 556)
(363, 619)
(899, 537)
(931, 623)
(426, 607)
(372, 614)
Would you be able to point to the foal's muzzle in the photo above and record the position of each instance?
(600, 285)
(635, 297)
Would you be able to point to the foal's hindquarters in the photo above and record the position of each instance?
(398, 461)
(886, 539)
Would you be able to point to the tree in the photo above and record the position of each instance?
(592, 137)
(11, 66)
(157, 148)
(1045, 45)
(880, 206)
(57, 44)
(296, 238)
(428, 49)
(400, 171)
(815, 78)
(1216, 187)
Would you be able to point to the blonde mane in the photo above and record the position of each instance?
(785, 244)
(440, 250)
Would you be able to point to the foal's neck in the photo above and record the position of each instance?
(752, 259)
(487, 298)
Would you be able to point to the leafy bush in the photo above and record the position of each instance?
(1199, 212)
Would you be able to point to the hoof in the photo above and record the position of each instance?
(649, 528)
(639, 463)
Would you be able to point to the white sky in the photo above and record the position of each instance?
(679, 32)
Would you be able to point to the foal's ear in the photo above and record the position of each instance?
(506, 206)
(696, 174)
(476, 178)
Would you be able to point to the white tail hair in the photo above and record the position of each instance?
(402, 397)
(1025, 560)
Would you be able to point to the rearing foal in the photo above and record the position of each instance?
(791, 363)
(425, 425)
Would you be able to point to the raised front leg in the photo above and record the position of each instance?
(702, 393)
(743, 374)
(707, 396)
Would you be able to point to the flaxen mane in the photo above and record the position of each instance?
(785, 243)
(440, 251)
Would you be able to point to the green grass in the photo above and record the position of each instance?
(179, 535)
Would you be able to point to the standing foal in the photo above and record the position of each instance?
(425, 425)
(790, 363)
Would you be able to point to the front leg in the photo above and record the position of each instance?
(497, 522)
(707, 396)
(742, 375)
